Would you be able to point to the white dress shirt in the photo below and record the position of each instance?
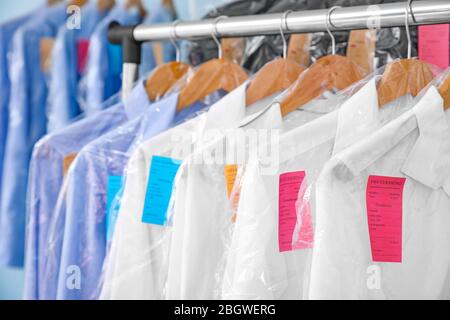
(414, 147)
(136, 267)
(201, 215)
(257, 267)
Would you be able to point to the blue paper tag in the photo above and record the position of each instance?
(112, 205)
(159, 189)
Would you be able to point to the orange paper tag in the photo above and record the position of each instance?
(45, 48)
(68, 161)
(230, 171)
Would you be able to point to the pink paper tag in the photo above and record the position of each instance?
(434, 44)
(293, 203)
(82, 52)
(384, 197)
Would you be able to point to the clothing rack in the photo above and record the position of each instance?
(345, 18)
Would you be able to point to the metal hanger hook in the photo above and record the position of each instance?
(174, 38)
(327, 25)
(214, 34)
(284, 26)
(408, 34)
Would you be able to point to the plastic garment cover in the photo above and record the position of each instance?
(269, 249)
(83, 201)
(7, 30)
(197, 219)
(51, 158)
(104, 66)
(352, 257)
(27, 124)
(137, 264)
(67, 56)
(391, 42)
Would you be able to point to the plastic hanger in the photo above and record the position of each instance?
(327, 73)
(211, 76)
(166, 75)
(276, 75)
(405, 75)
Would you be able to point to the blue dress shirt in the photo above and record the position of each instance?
(84, 235)
(62, 103)
(27, 123)
(46, 179)
(104, 66)
(6, 33)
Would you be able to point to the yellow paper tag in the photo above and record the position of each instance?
(67, 162)
(46, 47)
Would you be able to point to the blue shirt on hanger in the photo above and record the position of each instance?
(104, 66)
(6, 33)
(68, 58)
(50, 156)
(86, 192)
(27, 123)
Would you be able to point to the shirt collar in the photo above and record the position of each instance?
(137, 101)
(356, 118)
(227, 111)
(427, 162)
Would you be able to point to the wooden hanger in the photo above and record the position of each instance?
(402, 77)
(52, 2)
(105, 5)
(405, 75)
(166, 75)
(276, 75)
(444, 90)
(361, 48)
(136, 3)
(327, 73)
(78, 3)
(216, 74)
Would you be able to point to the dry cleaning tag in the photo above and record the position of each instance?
(159, 189)
(384, 197)
(294, 213)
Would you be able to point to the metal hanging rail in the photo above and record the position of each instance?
(345, 18)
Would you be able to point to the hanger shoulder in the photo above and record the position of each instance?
(211, 76)
(402, 77)
(164, 77)
(275, 76)
(330, 72)
(444, 90)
